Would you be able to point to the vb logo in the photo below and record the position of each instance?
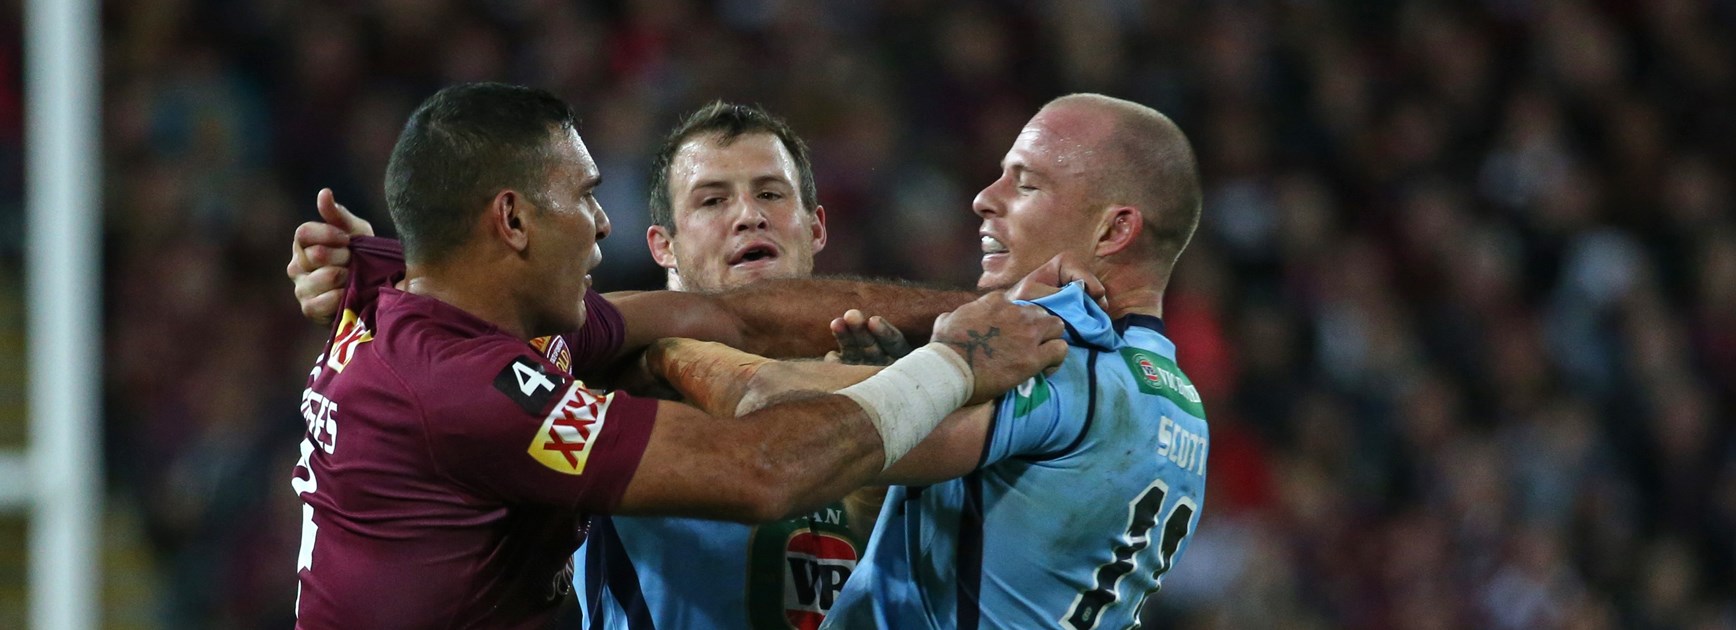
(801, 576)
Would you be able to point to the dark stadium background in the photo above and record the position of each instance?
(1463, 306)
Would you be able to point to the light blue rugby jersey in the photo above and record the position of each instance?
(640, 573)
(1089, 488)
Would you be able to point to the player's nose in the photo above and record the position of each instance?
(749, 216)
(604, 227)
(986, 204)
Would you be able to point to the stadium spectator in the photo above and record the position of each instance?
(1410, 185)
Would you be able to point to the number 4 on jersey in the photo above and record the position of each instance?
(527, 384)
(530, 379)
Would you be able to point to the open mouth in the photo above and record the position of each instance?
(754, 253)
(992, 245)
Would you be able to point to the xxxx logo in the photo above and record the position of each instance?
(563, 443)
(352, 332)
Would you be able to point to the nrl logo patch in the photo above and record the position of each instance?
(554, 348)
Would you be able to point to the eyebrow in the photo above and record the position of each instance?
(757, 181)
(771, 179)
(1020, 168)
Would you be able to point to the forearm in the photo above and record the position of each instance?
(783, 379)
(727, 382)
(789, 318)
(817, 449)
(785, 459)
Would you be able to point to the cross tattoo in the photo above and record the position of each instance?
(977, 340)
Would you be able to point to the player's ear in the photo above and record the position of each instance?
(1120, 230)
(818, 228)
(506, 219)
(662, 246)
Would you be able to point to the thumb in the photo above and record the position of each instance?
(339, 216)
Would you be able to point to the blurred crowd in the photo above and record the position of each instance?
(1463, 305)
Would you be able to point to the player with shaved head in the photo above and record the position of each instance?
(1066, 501)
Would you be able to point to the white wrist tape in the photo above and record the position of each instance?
(907, 399)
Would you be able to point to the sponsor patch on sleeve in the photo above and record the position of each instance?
(1159, 376)
(563, 442)
(529, 384)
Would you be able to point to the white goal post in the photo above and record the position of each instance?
(57, 480)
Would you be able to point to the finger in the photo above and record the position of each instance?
(888, 337)
(1055, 329)
(855, 319)
(316, 233)
(1049, 326)
(845, 334)
(1094, 288)
(1052, 352)
(321, 308)
(320, 281)
(337, 215)
(860, 338)
(298, 265)
(325, 256)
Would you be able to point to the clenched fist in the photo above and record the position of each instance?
(1004, 343)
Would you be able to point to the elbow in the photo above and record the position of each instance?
(767, 493)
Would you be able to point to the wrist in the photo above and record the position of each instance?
(907, 399)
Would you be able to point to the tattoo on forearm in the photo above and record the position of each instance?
(977, 340)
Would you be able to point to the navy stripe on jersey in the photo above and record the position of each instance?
(1074, 332)
(989, 444)
(594, 573)
(970, 553)
(621, 578)
(1090, 413)
(1142, 321)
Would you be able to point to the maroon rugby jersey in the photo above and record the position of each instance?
(448, 468)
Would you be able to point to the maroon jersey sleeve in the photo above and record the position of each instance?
(510, 425)
(596, 342)
(374, 263)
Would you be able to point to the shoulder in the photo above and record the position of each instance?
(452, 368)
(1153, 372)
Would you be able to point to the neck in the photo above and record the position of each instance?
(474, 289)
(1133, 290)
